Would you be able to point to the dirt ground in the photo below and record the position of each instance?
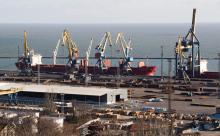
(179, 106)
(210, 133)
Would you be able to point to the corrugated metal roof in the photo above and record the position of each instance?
(65, 89)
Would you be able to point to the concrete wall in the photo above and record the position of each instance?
(111, 96)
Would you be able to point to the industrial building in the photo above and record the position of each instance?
(99, 95)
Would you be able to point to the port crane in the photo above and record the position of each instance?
(187, 54)
(24, 62)
(125, 48)
(26, 54)
(73, 51)
(182, 60)
(87, 62)
(101, 47)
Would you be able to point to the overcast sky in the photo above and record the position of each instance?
(107, 11)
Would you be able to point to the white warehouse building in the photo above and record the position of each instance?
(88, 94)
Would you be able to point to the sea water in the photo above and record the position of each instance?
(147, 40)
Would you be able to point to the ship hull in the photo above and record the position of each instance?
(210, 75)
(142, 71)
(50, 68)
(47, 68)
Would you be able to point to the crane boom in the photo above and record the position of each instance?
(55, 52)
(89, 50)
(125, 47)
(26, 49)
(123, 44)
(87, 61)
(71, 46)
(101, 47)
(193, 22)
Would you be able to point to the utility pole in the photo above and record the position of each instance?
(62, 103)
(38, 73)
(161, 69)
(169, 89)
(86, 72)
(18, 51)
(219, 75)
(118, 76)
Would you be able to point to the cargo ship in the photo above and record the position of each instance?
(35, 65)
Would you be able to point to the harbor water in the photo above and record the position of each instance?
(147, 40)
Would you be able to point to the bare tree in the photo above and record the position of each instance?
(24, 127)
(81, 113)
(48, 128)
(70, 130)
(49, 103)
(7, 127)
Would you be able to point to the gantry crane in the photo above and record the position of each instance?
(73, 51)
(125, 49)
(101, 47)
(187, 53)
